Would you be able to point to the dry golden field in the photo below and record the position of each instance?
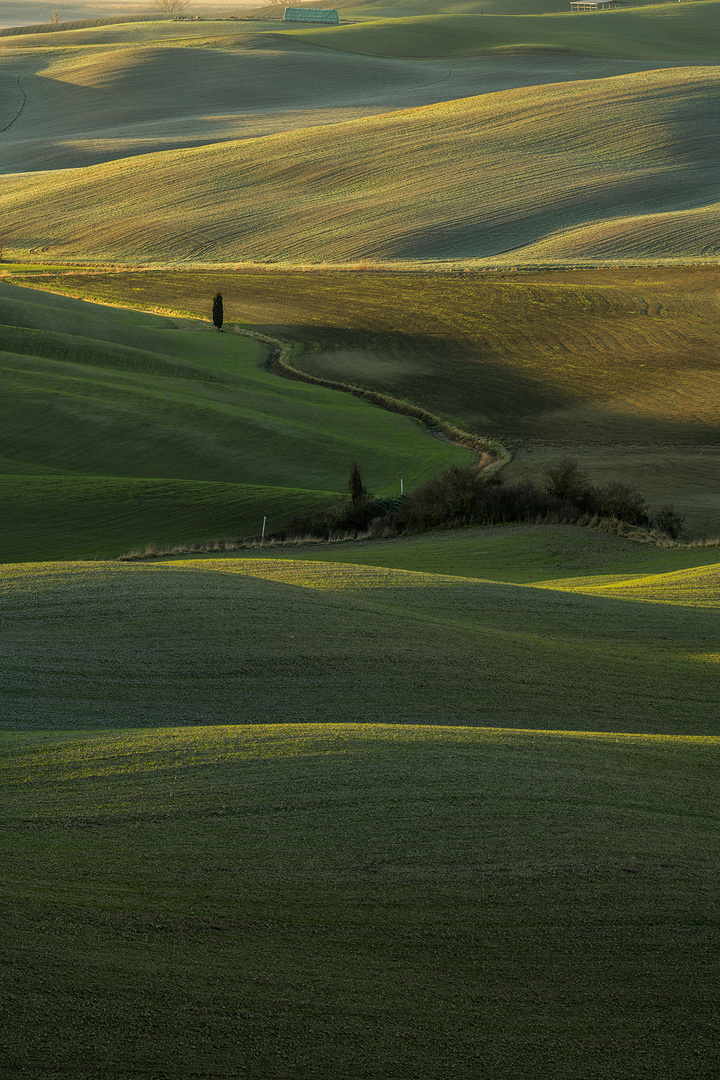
(224, 143)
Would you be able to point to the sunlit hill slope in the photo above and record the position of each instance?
(467, 179)
(659, 31)
(617, 367)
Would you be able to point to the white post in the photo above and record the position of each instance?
(401, 487)
(263, 532)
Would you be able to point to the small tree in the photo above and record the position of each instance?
(358, 491)
(170, 7)
(218, 311)
(54, 17)
(565, 480)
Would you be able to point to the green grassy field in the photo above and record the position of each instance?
(264, 640)
(435, 807)
(121, 428)
(616, 367)
(278, 898)
(519, 554)
(363, 901)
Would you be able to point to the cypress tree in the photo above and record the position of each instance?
(218, 311)
(355, 483)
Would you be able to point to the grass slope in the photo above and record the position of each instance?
(263, 640)
(469, 179)
(76, 99)
(78, 516)
(306, 898)
(657, 235)
(563, 555)
(93, 101)
(359, 901)
(617, 367)
(661, 31)
(398, 9)
(120, 427)
(362, 11)
(687, 588)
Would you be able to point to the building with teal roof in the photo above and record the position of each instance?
(311, 15)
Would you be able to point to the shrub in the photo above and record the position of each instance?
(566, 481)
(618, 500)
(461, 495)
(669, 521)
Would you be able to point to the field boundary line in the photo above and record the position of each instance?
(493, 455)
(22, 106)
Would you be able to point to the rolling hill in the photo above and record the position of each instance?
(465, 180)
(659, 31)
(359, 900)
(615, 367)
(266, 639)
(120, 428)
(442, 806)
(79, 98)
(537, 138)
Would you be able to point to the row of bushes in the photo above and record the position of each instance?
(461, 495)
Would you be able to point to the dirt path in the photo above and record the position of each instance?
(493, 455)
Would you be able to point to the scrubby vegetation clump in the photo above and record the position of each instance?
(467, 495)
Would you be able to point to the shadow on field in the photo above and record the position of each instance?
(484, 392)
(431, 371)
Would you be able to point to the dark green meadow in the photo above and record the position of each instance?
(520, 554)
(262, 640)
(79, 516)
(360, 901)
